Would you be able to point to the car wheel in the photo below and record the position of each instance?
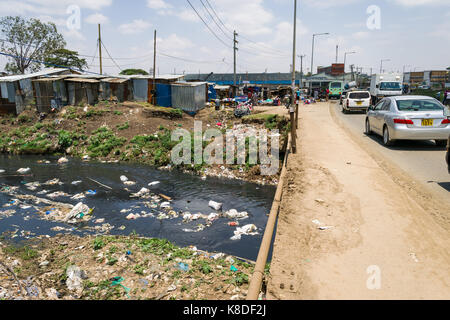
(368, 130)
(386, 137)
(441, 143)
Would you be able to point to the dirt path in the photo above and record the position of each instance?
(381, 243)
(279, 110)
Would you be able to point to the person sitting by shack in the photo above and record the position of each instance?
(217, 103)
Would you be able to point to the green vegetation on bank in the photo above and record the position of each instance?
(25, 136)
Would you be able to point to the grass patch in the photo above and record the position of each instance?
(124, 126)
(103, 141)
(25, 253)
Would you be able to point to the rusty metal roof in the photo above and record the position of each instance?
(82, 80)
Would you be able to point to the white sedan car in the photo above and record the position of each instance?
(356, 101)
(409, 118)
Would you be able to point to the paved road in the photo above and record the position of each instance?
(421, 159)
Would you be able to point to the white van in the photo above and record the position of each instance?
(356, 100)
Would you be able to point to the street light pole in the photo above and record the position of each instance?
(301, 69)
(292, 106)
(381, 66)
(345, 60)
(312, 56)
(345, 57)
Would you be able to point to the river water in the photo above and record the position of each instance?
(188, 192)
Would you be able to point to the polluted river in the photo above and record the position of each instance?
(131, 198)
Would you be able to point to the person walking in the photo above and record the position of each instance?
(446, 101)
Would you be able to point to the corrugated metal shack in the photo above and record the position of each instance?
(17, 91)
(50, 93)
(116, 88)
(143, 86)
(83, 89)
(189, 96)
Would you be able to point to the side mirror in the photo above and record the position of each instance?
(371, 107)
(377, 86)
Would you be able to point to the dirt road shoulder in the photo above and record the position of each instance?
(347, 230)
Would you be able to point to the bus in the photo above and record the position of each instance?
(336, 88)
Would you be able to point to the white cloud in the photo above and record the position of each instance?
(253, 18)
(136, 26)
(48, 7)
(361, 35)
(328, 3)
(174, 44)
(158, 4)
(74, 34)
(57, 21)
(96, 18)
(87, 4)
(186, 15)
(415, 3)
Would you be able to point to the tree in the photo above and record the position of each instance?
(65, 58)
(28, 40)
(128, 72)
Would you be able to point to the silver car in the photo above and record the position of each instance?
(409, 118)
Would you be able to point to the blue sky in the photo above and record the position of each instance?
(413, 34)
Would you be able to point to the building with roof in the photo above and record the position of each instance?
(17, 91)
(243, 79)
(143, 86)
(426, 78)
(189, 96)
(116, 88)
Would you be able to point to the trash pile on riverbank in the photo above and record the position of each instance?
(128, 134)
(119, 268)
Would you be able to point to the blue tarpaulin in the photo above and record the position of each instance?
(164, 95)
(212, 94)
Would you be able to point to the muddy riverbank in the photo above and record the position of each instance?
(129, 132)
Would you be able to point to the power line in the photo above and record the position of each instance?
(110, 55)
(187, 60)
(215, 13)
(204, 22)
(135, 58)
(259, 44)
(95, 53)
(220, 28)
(45, 63)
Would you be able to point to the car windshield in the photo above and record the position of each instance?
(359, 95)
(390, 86)
(418, 105)
(336, 85)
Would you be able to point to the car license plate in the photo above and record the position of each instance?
(359, 103)
(427, 122)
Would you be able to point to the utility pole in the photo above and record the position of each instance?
(235, 42)
(381, 65)
(312, 56)
(100, 48)
(293, 110)
(337, 52)
(154, 68)
(301, 69)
